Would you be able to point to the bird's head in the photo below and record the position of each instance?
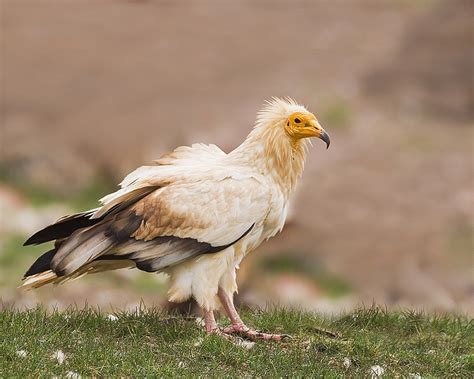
(277, 144)
(304, 124)
(290, 120)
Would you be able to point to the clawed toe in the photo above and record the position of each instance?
(235, 339)
(238, 328)
(285, 338)
(252, 334)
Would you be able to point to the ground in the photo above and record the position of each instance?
(365, 342)
(91, 91)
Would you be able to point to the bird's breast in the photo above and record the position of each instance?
(275, 220)
(266, 228)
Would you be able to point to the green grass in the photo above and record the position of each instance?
(149, 343)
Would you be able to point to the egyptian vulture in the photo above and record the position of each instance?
(194, 215)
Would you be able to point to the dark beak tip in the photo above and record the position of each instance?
(325, 138)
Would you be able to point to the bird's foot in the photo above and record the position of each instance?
(252, 334)
(236, 340)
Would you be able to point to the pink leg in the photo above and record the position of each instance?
(212, 328)
(238, 327)
(210, 322)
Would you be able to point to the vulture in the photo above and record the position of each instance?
(193, 214)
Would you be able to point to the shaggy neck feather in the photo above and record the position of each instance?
(269, 149)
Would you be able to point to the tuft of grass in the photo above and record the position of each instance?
(150, 343)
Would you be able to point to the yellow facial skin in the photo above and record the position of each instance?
(304, 125)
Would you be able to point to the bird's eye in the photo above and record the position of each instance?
(297, 120)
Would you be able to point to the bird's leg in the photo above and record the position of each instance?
(212, 328)
(210, 322)
(238, 327)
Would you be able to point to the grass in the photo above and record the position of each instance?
(149, 343)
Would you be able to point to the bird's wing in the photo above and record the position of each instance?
(186, 215)
(186, 164)
(196, 154)
(213, 211)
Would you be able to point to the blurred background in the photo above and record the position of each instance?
(92, 89)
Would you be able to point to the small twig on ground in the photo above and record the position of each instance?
(326, 332)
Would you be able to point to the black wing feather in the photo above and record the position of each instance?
(184, 249)
(65, 226)
(62, 228)
(41, 264)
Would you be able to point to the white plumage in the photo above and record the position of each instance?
(194, 214)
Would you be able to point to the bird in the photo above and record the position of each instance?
(193, 214)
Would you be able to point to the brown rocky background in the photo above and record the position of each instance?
(92, 89)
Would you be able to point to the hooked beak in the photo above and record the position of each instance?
(325, 137)
(320, 133)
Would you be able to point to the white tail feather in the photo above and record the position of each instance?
(38, 280)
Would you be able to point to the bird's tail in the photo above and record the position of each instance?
(72, 258)
(40, 272)
(38, 280)
(84, 239)
(48, 276)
